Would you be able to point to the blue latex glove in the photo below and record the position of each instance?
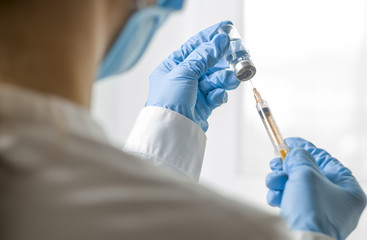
(194, 79)
(319, 194)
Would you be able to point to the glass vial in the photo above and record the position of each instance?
(237, 55)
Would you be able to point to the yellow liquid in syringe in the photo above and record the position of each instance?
(271, 127)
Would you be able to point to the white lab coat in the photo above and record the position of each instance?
(61, 179)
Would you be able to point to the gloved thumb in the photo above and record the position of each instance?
(300, 164)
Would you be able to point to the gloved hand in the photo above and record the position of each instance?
(194, 79)
(319, 194)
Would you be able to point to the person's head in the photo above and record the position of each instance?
(57, 46)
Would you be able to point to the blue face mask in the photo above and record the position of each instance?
(135, 37)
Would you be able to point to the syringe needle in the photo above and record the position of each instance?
(252, 84)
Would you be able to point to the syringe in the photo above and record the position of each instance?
(281, 149)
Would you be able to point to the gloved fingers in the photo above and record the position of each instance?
(321, 156)
(311, 148)
(276, 164)
(217, 97)
(343, 177)
(203, 57)
(338, 174)
(222, 64)
(225, 79)
(274, 198)
(297, 142)
(330, 167)
(203, 109)
(185, 50)
(299, 163)
(276, 180)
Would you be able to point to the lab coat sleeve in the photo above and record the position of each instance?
(301, 235)
(169, 139)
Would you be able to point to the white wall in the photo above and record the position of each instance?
(311, 58)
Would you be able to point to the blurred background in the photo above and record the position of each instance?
(311, 59)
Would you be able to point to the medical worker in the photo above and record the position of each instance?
(61, 179)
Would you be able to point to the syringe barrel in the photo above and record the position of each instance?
(281, 149)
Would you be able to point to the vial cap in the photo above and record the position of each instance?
(245, 70)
